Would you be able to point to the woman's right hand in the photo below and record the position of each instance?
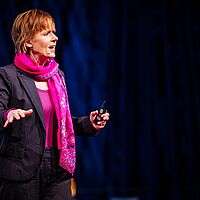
(16, 114)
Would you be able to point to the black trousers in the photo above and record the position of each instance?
(52, 183)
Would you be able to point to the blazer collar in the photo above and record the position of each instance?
(29, 86)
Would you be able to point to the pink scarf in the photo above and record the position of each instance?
(57, 87)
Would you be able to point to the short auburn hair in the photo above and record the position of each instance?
(26, 25)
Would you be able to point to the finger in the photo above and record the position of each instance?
(105, 118)
(6, 124)
(101, 123)
(21, 114)
(94, 113)
(28, 112)
(24, 113)
(15, 116)
(106, 114)
(99, 127)
(8, 121)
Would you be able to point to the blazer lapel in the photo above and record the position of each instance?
(30, 87)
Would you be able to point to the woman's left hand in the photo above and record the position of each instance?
(99, 125)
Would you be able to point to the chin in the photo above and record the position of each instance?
(50, 55)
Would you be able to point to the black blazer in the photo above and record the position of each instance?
(22, 146)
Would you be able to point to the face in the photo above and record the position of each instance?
(42, 45)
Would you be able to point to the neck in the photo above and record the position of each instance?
(39, 60)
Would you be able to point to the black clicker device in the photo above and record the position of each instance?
(101, 111)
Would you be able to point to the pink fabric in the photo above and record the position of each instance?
(49, 116)
(58, 90)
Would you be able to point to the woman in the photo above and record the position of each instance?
(37, 154)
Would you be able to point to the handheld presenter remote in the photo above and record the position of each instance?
(101, 111)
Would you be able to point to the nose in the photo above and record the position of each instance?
(54, 37)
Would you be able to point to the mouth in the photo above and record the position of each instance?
(52, 47)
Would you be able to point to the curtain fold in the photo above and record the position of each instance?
(143, 59)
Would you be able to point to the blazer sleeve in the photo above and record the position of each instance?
(5, 88)
(83, 126)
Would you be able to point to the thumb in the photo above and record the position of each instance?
(28, 112)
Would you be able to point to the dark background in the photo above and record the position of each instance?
(143, 58)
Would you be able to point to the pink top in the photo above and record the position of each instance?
(49, 117)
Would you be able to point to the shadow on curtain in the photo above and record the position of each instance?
(143, 59)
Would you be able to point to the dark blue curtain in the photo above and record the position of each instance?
(143, 58)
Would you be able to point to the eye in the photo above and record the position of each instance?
(46, 33)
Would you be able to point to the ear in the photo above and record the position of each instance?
(28, 44)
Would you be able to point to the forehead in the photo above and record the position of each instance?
(40, 25)
(48, 24)
(45, 25)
